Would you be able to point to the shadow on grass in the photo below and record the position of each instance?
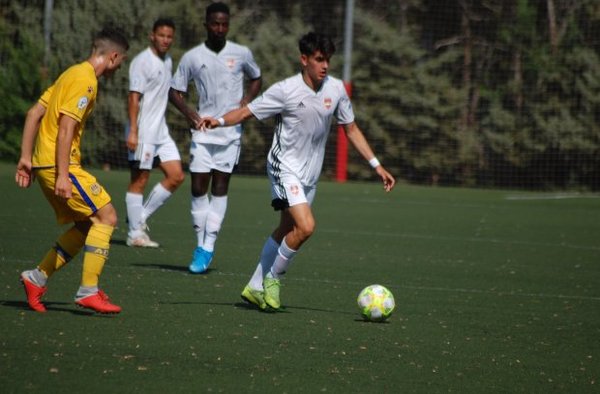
(53, 307)
(120, 242)
(174, 268)
(252, 307)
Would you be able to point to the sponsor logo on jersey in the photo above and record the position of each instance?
(82, 103)
(90, 90)
(301, 105)
(95, 188)
(327, 102)
(230, 63)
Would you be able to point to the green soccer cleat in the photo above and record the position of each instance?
(255, 297)
(271, 286)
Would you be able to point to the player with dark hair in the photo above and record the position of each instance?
(54, 158)
(148, 138)
(303, 106)
(218, 68)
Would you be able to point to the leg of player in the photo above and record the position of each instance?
(97, 245)
(216, 211)
(134, 199)
(303, 227)
(173, 178)
(199, 211)
(34, 281)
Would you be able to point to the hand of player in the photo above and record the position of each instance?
(132, 141)
(24, 177)
(386, 177)
(63, 187)
(208, 123)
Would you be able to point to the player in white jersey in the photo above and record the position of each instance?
(304, 106)
(218, 68)
(148, 138)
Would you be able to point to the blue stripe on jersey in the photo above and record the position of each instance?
(82, 192)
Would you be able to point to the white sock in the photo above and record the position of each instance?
(199, 212)
(216, 214)
(155, 200)
(134, 203)
(267, 257)
(282, 260)
(85, 291)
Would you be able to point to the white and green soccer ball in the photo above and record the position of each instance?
(376, 303)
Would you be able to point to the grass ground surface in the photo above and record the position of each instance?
(496, 291)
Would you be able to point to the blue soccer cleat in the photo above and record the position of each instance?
(200, 261)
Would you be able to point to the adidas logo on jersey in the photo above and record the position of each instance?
(301, 105)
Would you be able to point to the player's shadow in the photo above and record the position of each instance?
(120, 242)
(252, 307)
(168, 267)
(51, 307)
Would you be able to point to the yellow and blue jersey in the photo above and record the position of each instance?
(73, 94)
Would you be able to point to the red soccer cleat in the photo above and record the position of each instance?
(34, 294)
(98, 302)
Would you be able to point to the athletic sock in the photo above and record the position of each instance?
(66, 247)
(85, 291)
(199, 212)
(37, 277)
(267, 257)
(155, 200)
(97, 245)
(214, 220)
(282, 260)
(135, 206)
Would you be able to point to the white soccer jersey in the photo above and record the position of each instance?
(303, 123)
(150, 76)
(219, 81)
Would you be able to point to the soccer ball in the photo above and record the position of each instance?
(376, 303)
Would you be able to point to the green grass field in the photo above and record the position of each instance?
(496, 291)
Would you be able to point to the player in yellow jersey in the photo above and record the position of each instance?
(50, 152)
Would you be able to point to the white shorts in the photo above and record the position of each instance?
(145, 154)
(207, 157)
(287, 192)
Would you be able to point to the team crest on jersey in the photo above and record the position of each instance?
(230, 63)
(82, 103)
(295, 190)
(327, 102)
(95, 188)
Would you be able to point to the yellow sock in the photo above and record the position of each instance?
(96, 249)
(67, 246)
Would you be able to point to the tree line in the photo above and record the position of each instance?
(494, 93)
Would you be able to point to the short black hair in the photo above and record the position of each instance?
(160, 22)
(214, 8)
(113, 35)
(312, 42)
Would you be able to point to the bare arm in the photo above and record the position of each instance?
(253, 89)
(64, 139)
(24, 176)
(358, 140)
(229, 119)
(176, 97)
(133, 108)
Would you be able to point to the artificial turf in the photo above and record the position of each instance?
(496, 291)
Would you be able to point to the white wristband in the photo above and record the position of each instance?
(374, 162)
(221, 121)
